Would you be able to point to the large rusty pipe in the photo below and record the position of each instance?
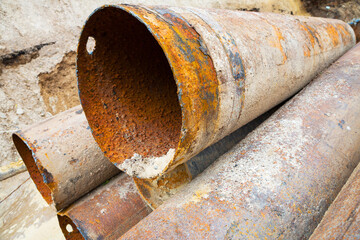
(342, 219)
(278, 182)
(158, 85)
(107, 212)
(157, 190)
(63, 158)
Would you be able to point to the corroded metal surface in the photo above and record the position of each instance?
(355, 24)
(162, 84)
(156, 191)
(62, 157)
(279, 181)
(105, 213)
(342, 219)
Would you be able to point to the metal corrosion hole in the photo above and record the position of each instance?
(26, 155)
(90, 45)
(69, 228)
(128, 93)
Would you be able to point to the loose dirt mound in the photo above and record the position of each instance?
(58, 88)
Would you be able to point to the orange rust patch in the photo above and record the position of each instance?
(277, 43)
(333, 34)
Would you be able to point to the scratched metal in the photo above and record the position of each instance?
(162, 84)
(106, 213)
(278, 182)
(156, 191)
(63, 158)
(342, 219)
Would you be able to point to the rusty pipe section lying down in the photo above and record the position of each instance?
(355, 24)
(157, 190)
(107, 212)
(342, 219)
(63, 158)
(278, 182)
(160, 84)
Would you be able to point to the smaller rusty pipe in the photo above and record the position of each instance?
(156, 191)
(355, 24)
(62, 157)
(160, 84)
(278, 182)
(107, 212)
(342, 219)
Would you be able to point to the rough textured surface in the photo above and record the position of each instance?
(105, 213)
(278, 182)
(345, 10)
(342, 219)
(37, 39)
(222, 69)
(63, 158)
(24, 214)
(58, 88)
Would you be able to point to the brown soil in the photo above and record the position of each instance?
(58, 88)
(345, 10)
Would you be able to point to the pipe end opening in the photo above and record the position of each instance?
(128, 92)
(69, 228)
(27, 156)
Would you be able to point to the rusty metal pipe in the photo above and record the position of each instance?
(355, 24)
(156, 191)
(158, 85)
(279, 181)
(342, 219)
(63, 158)
(107, 212)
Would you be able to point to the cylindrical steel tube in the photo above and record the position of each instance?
(159, 85)
(279, 181)
(156, 191)
(106, 213)
(342, 219)
(63, 158)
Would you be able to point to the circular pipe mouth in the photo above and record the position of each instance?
(27, 156)
(68, 227)
(128, 92)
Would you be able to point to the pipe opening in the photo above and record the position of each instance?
(69, 228)
(35, 174)
(128, 91)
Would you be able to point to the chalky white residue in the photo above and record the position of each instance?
(262, 165)
(127, 188)
(148, 167)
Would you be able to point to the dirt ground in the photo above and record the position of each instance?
(345, 10)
